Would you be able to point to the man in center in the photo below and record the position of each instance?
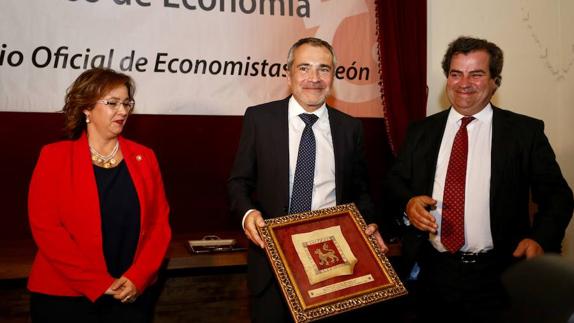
(296, 155)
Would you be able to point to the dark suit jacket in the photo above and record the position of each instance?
(262, 167)
(523, 165)
(64, 214)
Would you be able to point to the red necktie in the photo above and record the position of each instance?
(452, 223)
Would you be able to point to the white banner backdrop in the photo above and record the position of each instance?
(198, 57)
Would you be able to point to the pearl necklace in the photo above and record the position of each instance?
(107, 161)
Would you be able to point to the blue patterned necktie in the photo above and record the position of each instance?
(305, 170)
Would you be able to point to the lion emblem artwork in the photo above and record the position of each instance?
(326, 255)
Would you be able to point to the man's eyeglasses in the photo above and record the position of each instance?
(115, 104)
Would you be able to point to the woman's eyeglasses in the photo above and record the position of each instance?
(115, 104)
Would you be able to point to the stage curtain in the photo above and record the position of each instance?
(402, 36)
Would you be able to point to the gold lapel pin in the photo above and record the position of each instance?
(139, 157)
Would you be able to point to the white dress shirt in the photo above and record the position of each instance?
(324, 192)
(477, 233)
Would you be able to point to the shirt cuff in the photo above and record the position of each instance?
(245, 216)
(405, 219)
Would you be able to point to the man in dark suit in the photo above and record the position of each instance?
(462, 183)
(267, 164)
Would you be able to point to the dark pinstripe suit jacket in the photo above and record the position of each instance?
(262, 167)
(523, 165)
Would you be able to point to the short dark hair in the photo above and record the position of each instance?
(466, 45)
(82, 95)
(315, 42)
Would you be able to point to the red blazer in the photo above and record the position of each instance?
(64, 213)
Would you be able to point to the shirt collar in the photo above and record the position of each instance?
(296, 109)
(485, 115)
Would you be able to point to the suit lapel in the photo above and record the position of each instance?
(501, 144)
(337, 137)
(281, 142)
(86, 199)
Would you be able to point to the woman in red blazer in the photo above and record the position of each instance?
(97, 210)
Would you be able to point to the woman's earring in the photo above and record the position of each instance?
(87, 119)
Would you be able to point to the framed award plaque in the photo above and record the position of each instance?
(325, 264)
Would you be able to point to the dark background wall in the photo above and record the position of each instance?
(195, 154)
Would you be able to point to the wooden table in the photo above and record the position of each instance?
(16, 256)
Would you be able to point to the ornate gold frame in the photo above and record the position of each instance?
(304, 311)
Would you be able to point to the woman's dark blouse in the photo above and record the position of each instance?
(120, 212)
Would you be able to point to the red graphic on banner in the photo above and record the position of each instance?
(325, 254)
